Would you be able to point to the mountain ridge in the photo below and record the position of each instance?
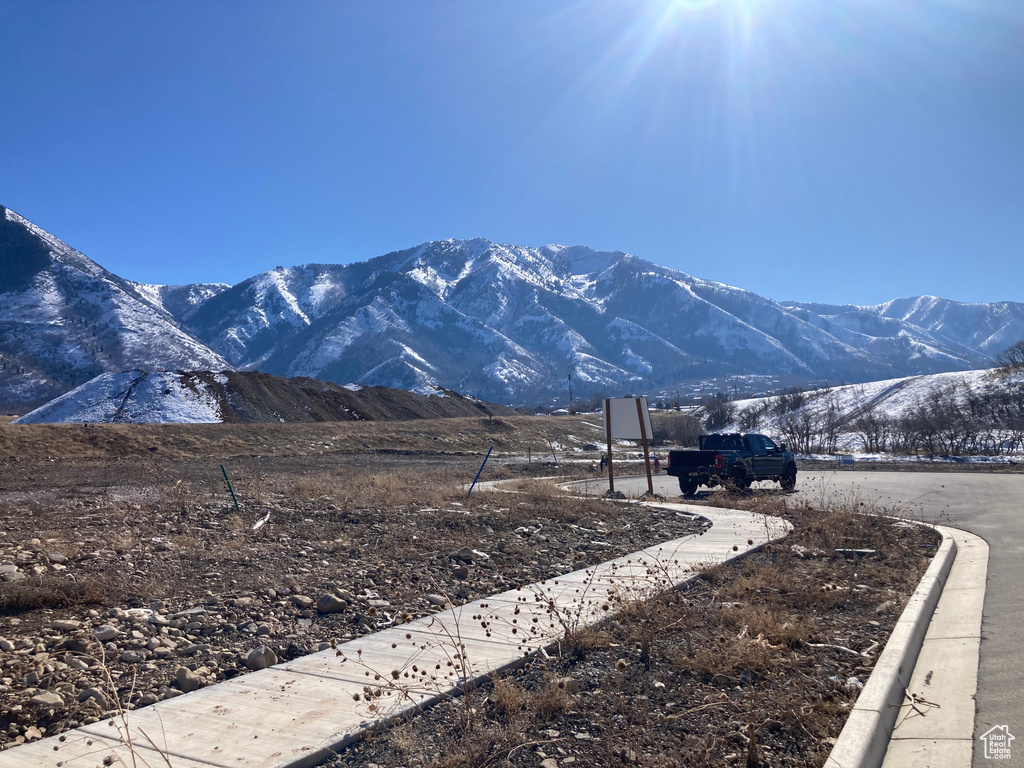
(509, 323)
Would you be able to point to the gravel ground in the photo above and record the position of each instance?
(127, 593)
(132, 578)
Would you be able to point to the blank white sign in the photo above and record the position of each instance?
(624, 421)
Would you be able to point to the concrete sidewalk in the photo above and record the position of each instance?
(300, 712)
(939, 730)
(917, 708)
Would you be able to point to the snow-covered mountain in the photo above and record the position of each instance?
(510, 323)
(506, 323)
(64, 319)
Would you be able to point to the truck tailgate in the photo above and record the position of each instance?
(685, 462)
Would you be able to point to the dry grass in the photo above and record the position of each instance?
(748, 662)
(517, 434)
(51, 592)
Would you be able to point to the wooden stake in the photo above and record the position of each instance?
(643, 438)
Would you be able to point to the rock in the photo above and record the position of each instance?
(146, 700)
(460, 572)
(329, 603)
(131, 657)
(187, 680)
(106, 632)
(47, 700)
(302, 602)
(13, 576)
(96, 695)
(580, 565)
(439, 600)
(549, 763)
(6, 646)
(32, 733)
(260, 658)
(193, 648)
(469, 556)
(65, 625)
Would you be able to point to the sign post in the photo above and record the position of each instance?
(643, 437)
(627, 418)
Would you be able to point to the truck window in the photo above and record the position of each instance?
(756, 445)
(769, 445)
(723, 443)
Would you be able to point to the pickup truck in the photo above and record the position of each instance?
(734, 460)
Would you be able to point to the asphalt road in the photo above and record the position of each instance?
(989, 505)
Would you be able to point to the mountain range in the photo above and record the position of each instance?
(505, 323)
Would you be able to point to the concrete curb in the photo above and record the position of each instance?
(872, 732)
(865, 738)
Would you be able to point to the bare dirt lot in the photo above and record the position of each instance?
(130, 575)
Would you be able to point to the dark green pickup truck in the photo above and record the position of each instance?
(735, 460)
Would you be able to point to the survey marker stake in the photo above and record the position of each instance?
(230, 489)
(479, 471)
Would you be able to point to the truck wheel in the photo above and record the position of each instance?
(688, 486)
(738, 480)
(788, 479)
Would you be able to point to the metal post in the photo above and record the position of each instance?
(230, 489)
(479, 471)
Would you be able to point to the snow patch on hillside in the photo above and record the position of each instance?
(133, 397)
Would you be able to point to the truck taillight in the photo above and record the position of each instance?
(718, 461)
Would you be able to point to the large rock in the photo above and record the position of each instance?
(330, 603)
(260, 658)
(302, 602)
(187, 680)
(96, 695)
(106, 632)
(47, 700)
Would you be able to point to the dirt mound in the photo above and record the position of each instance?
(259, 397)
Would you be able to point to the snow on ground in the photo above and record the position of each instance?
(132, 397)
(891, 399)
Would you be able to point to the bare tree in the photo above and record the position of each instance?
(1011, 359)
(874, 430)
(718, 414)
(676, 429)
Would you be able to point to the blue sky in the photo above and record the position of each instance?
(849, 151)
